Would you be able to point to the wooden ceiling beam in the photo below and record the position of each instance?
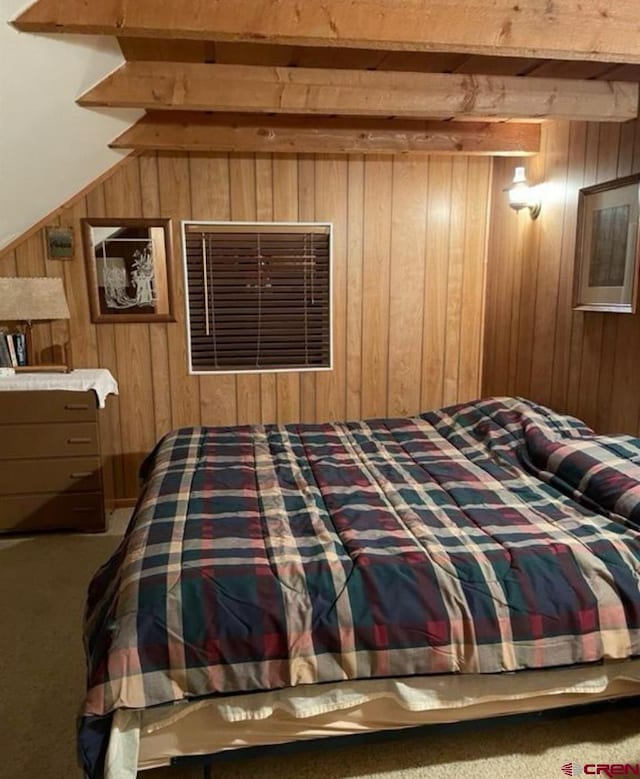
(254, 88)
(198, 132)
(568, 29)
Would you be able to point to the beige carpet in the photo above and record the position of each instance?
(42, 587)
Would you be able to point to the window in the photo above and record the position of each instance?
(259, 296)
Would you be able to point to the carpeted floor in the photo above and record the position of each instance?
(42, 587)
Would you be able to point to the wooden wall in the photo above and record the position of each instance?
(409, 262)
(585, 363)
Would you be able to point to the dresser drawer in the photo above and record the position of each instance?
(51, 511)
(49, 406)
(56, 440)
(64, 474)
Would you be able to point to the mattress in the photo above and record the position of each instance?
(154, 737)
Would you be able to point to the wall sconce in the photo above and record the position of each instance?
(521, 195)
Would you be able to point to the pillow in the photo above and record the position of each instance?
(602, 472)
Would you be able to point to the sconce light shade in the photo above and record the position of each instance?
(521, 195)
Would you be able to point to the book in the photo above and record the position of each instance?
(12, 349)
(20, 344)
(5, 357)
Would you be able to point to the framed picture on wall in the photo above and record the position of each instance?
(60, 243)
(128, 269)
(607, 247)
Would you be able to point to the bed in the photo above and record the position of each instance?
(277, 583)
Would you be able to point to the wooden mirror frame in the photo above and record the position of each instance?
(162, 270)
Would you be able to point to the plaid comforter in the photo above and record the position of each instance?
(485, 537)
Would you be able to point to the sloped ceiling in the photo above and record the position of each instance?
(50, 148)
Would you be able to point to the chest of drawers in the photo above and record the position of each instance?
(50, 462)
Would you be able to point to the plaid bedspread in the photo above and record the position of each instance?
(485, 537)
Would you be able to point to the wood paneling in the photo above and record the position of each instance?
(409, 249)
(378, 180)
(584, 363)
(331, 206)
(406, 283)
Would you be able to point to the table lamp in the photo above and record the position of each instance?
(29, 299)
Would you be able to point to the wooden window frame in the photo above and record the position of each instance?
(236, 225)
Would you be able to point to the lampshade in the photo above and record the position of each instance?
(30, 298)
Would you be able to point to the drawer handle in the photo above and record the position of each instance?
(78, 440)
(76, 407)
(81, 474)
(83, 509)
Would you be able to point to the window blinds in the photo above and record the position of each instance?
(259, 296)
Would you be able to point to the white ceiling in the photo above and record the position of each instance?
(49, 147)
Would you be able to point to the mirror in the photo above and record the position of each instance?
(128, 269)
